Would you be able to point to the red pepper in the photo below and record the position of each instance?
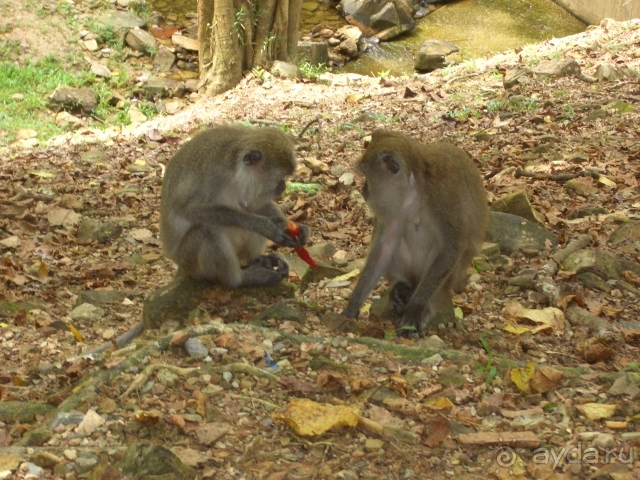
(294, 230)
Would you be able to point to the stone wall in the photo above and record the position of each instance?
(593, 11)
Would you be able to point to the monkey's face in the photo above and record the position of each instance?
(387, 181)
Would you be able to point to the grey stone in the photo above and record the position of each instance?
(348, 48)
(557, 68)
(280, 311)
(195, 348)
(366, 12)
(626, 231)
(85, 463)
(91, 230)
(517, 203)
(120, 20)
(592, 280)
(582, 212)
(285, 70)
(386, 17)
(100, 298)
(140, 40)
(144, 460)
(436, 54)
(86, 311)
(185, 42)
(624, 385)
(163, 87)
(593, 260)
(164, 59)
(514, 233)
(101, 70)
(315, 53)
(75, 98)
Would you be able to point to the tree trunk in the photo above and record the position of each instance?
(238, 35)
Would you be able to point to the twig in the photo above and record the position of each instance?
(315, 120)
(266, 122)
(460, 77)
(550, 176)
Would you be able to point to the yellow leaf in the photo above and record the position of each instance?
(522, 377)
(76, 333)
(458, 312)
(440, 403)
(140, 161)
(605, 181)
(354, 97)
(353, 273)
(42, 270)
(308, 418)
(41, 174)
(597, 411)
(516, 330)
(549, 318)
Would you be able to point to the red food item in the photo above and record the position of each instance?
(294, 230)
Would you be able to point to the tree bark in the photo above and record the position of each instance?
(237, 35)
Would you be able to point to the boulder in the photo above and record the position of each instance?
(315, 53)
(118, 20)
(284, 69)
(140, 41)
(514, 233)
(436, 54)
(75, 98)
(379, 15)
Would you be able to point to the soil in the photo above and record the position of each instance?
(449, 406)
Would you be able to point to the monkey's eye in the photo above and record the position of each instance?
(252, 157)
(390, 163)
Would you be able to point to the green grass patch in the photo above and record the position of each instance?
(34, 81)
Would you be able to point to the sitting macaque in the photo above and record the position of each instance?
(217, 208)
(430, 218)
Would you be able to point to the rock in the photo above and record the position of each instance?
(626, 231)
(136, 116)
(433, 360)
(513, 233)
(173, 107)
(517, 203)
(100, 298)
(75, 98)
(163, 87)
(373, 444)
(164, 59)
(94, 155)
(592, 280)
(349, 48)
(436, 54)
(421, 12)
(279, 311)
(392, 32)
(143, 460)
(379, 15)
(101, 70)
(581, 188)
(174, 301)
(557, 68)
(339, 323)
(593, 260)
(120, 20)
(315, 53)
(35, 437)
(624, 385)
(582, 212)
(195, 348)
(26, 133)
(91, 45)
(65, 119)
(450, 377)
(209, 433)
(185, 42)
(515, 76)
(86, 312)
(91, 230)
(349, 32)
(140, 40)
(285, 70)
(90, 423)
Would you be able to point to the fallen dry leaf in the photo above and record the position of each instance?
(308, 418)
(597, 411)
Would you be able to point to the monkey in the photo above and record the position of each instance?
(217, 206)
(430, 219)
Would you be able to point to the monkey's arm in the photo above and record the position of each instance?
(384, 246)
(223, 215)
(272, 210)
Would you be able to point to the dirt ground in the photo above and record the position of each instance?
(499, 395)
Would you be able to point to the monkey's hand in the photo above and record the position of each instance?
(303, 236)
(410, 324)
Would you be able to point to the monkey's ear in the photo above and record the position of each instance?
(252, 157)
(389, 162)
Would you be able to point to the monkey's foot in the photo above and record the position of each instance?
(399, 297)
(273, 263)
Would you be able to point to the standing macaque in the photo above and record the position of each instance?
(217, 207)
(430, 218)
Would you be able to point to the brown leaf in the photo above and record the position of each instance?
(565, 299)
(408, 93)
(398, 384)
(359, 384)
(632, 336)
(546, 379)
(331, 383)
(297, 386)
(595, 350)
(438, 431)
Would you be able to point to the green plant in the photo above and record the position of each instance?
(10, 50)
(106, 34)
(489, 368)
(311, 71)
(383, 73)
(148, 108)
(268, 40)
(7, 28)
(494, 105)
(241, 18)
